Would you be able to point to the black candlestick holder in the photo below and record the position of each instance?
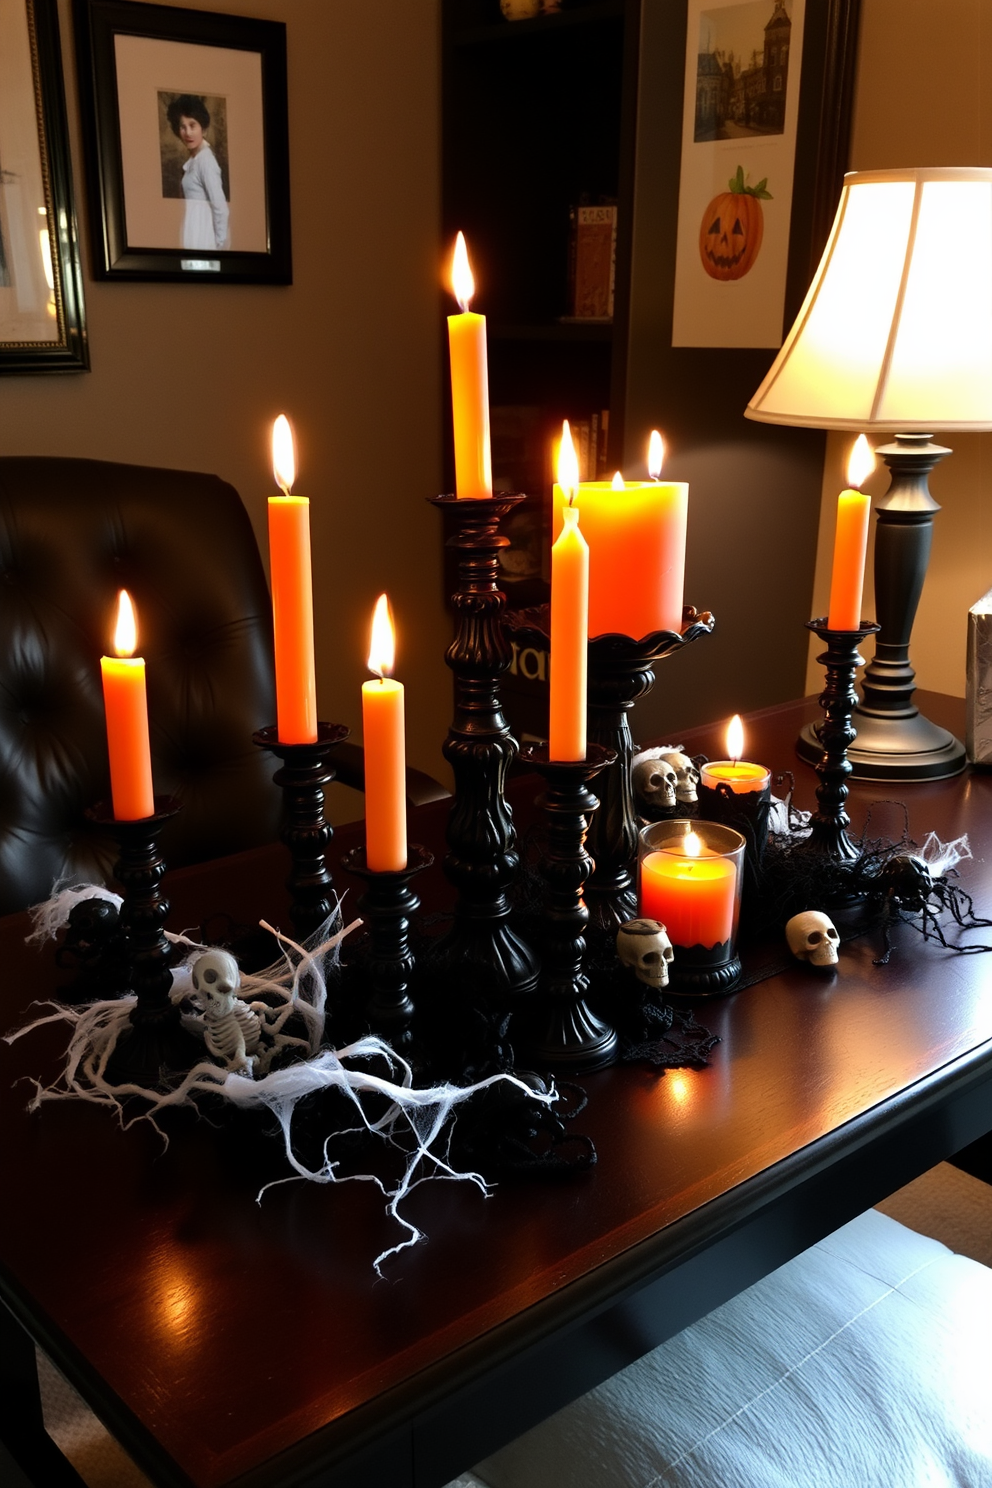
(621, 670)
(306, 769)
(154, 1043)
(387, 907)
(482, 859)
(830, 821)
(564, 1031)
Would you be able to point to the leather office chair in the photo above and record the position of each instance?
(72, 534)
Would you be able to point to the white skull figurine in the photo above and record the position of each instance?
(644, 947)
(653, 779)
(812, 938)
(686, 776)
(231, 1029)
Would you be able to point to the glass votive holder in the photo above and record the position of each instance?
(689, 877)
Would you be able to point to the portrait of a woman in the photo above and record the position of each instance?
(207, 215)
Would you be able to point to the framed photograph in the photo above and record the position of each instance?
(42, 327)
(748, 85)
(186, 122)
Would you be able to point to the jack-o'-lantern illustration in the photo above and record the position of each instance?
(732, 228)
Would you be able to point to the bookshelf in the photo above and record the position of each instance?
(539, 117)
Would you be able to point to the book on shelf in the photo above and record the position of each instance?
(592, 262)
(591, 438)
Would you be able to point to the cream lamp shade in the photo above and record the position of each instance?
(896, 330)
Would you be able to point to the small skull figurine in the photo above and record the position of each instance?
(686, 776)
(644, 947)
(812, 938)
(653, 779)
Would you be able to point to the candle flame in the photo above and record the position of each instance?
(617, 483)
(861, 462)
(692, 845)
(126, 630)
(462, 281)
(568, 463)
(382, 646)
(656, 454)
(735, 738)
(283, 454)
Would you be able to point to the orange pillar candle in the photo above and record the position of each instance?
(851, 542)
(692, 891)
(742, 777)
(469, 385)
(385, 752)
(636, 531)
(292, 597)
(569, 622)
(126, 708)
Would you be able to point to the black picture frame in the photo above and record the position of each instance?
(127, 222)
(21, 348)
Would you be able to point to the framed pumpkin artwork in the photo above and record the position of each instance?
(753, 171)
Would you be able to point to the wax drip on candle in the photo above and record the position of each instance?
(462, 279)
(656, 455)
(283, 454)
(382, 646)
(617, 483)
(568, 464)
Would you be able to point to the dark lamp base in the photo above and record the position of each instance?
(893, 748)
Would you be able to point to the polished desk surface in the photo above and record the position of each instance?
(224, 1339)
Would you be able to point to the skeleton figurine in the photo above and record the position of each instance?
(233, 1029)
(644, 947)
(812, 938)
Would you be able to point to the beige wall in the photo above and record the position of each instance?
(924, 97)
(192, 376)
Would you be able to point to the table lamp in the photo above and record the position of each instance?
(895, 335)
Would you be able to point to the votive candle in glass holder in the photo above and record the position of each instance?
(689, 878)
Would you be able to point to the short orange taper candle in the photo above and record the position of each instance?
(469, 385)
(692, 891)
(385, 752)
(851, 542)
(292, 597)
(569, 621)
(126, 708)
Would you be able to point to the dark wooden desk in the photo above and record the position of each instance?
(225, 1342)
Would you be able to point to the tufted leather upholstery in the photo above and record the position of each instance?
(72, 533)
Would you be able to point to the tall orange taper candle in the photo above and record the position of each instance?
(469, 385)
(636, 532)
(292, 597)
(851, 542)
(127, 721)
(569, 620)
(385, 752)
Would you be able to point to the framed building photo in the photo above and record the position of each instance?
(187, 136)
(41, 292)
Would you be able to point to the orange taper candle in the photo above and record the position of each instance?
(126, 708)
(292, 597)
(636, 533)
(851, 542)
(692, 891)
(385, 752)
(569, 621)
(469, 385)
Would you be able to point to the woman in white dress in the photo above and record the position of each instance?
(205, 224)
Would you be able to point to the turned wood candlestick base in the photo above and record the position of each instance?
(387, 907)
(830, 821)
(155, 1043)
(306, 769)
(563, 1031)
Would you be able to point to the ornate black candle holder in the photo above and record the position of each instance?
(621, 670)
(154, 1042)
(482, 859)
(563, 1030)
(829, 823)
(306, 769)
(387, 907)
